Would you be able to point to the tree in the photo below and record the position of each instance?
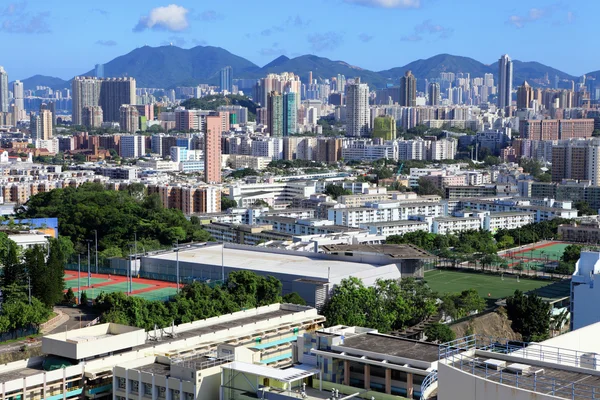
(427, 187)
(70, 296)
(293, 298)
(261, 203)
(336, 191)
(227, 203)
(349, 303)
(13, 271)
(84, 298)
(439, 333)
(584, 208)
(530, 316)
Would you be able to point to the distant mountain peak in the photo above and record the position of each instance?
(171, 66)
(278, 61)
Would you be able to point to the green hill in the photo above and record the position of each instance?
(43, 80)
(171, 66)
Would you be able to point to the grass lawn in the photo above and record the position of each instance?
(443, 281)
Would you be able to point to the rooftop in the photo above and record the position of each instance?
(393, 346)
(398, 251)
(309, 265)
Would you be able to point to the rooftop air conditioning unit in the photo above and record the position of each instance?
(521, 369)
(589, 360)
(495, 364)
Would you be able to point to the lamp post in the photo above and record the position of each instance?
(89, 266)
(177, 262)
(96, 240)
(79, 277)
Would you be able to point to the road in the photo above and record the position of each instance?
(77, 317)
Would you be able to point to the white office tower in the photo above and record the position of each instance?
(585, 294)
(4, 101)
(357, 109)
(505, 74)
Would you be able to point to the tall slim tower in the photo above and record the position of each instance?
(275, 114)
(358, 121)
(99, 70)
(19, 108)
(505, 78)
(45, 127)
(4, 102)
(227, 79)
(408, 90)
(212, 149)
(290, 116)
(433, 92)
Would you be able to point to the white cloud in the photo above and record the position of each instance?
(538, 14)
(387, 3)
(428, 28)
(172, 18)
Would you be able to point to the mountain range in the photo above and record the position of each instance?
(171, 66)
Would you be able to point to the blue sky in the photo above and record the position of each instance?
(67, 37)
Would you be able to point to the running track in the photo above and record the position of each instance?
(115, 279)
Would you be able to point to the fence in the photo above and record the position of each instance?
(454, 354)
(145, 275)
(19, 333)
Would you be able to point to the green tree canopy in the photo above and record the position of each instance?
(336, 191)
(530, 316)
(439, 333)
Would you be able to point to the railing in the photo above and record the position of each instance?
(535, 382)
(427, 382)
(213, 361)
(532, 351)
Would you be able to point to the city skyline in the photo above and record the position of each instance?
(359, 36)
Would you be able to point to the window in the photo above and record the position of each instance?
(135, 386)
(147, 389)
(188, 396)
(122, 383)
(162, 392)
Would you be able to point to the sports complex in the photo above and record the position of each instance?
(542, 256)
(96, 284)
(538, 256)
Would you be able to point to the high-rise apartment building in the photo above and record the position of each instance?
(275, 114)
(114, 93)
(524, 96)
(91, 117)
(99, 70)
(557, 129)
(227, 79)
(4, 101)
(110, 94)
(384, 128)
(35, 126)
(290, 117)
(408, 90)
(86, 93)
(46, 123)
(357, 109)
(212, 149)
(132, 146)
(433, 94)
(505, 75)
(129, 119)
(18, 95)
(286, 82)
(576, 159)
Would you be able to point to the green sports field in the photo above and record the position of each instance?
(553, 252)
(443, 281)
